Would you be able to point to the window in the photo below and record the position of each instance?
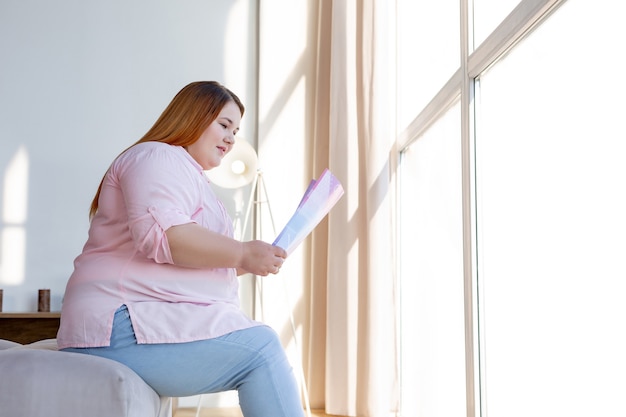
(523, 205)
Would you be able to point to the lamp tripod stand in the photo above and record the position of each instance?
(259, 197)
(239, 168)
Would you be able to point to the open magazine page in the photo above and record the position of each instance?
(319, 198)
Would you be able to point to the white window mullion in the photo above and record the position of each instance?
(472, 390)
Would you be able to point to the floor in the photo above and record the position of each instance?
(225, 412)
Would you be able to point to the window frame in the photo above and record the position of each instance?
(463, 85)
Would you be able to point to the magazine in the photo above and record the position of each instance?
(320, 196)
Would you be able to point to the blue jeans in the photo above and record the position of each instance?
(251, 361)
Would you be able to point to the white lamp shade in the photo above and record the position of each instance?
(238, 167)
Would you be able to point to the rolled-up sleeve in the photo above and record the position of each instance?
(155, 188)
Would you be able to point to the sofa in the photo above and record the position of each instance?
(36, 380)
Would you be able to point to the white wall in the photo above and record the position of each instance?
(79, 81)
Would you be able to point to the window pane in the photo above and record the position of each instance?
(433, 370)
(488, 14)
(428, 52)
(550, 149)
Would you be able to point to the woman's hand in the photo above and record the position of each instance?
(261, 258)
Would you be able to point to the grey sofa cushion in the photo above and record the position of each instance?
(38, 381)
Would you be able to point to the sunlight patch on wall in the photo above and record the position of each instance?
(14, 213)
(236, 55)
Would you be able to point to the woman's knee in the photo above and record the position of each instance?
(266, 344)
(257, 336)
(267, 341)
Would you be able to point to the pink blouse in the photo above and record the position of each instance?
(126, 260)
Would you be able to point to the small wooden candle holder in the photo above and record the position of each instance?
(43, 305)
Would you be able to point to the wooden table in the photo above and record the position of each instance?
(29, 327)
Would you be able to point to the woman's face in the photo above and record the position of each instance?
(218, 139)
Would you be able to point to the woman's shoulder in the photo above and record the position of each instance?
(146, 154)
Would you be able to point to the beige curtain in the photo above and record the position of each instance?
(352, 354)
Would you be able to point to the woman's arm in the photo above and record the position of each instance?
(194, 246)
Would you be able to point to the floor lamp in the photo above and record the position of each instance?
(240, 168)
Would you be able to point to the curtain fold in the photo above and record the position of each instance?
(352, 363)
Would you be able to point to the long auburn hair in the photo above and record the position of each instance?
(184, 120)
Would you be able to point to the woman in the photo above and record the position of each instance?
(156, 287)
